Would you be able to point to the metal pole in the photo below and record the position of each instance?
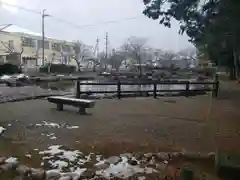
(187, 89)
(106, 45)
(43, 36)
(106, 56)
(119, 89)
(155, 89)
(78, 89)
(140, 63)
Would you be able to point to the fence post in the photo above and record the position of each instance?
(216, 89)
(119, 89)
(155, 89)
(216, 77)
(78, 89)
(187, 88)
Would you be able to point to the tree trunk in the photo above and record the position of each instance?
(79, 67)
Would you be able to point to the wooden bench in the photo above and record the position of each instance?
(82, 104)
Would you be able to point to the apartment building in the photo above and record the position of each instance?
(22, 47)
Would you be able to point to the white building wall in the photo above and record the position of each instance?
(51, 55)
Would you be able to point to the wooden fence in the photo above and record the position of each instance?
(119, 91)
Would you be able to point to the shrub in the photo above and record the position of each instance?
(9, 69)
(58, 68)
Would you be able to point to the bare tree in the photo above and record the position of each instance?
(81, 51)
(116, 59)
(51, 61)
(190, 55)
(167, 55)
(134, 48)
(20, 54)
(9, 46)
(103, 60)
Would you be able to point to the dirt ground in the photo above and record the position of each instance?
(115, 126)
(128, 125)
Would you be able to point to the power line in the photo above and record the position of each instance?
(21, 7)
(92, 25)
(71, 23)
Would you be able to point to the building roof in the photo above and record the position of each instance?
(25, 32)
(17, 29)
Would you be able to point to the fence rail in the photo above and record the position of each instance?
(119, 91)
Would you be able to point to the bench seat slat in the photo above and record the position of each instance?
(71, 99)
(80, 103)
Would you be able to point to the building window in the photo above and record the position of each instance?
(28, 42)
(46, 44)
(56, 46)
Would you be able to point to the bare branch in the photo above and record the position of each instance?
(81, 52)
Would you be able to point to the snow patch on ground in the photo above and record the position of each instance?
(2, 129)
(56, 125)
(72, 127)
(58, 164)
(141, 178)
(28, 155)
(79, 171)
(123, 169)
(51, 135)
(11, 160)
(52, 150)
(61, 160)
(49, 124)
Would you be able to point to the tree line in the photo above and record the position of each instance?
(211, 25)
(134, 51)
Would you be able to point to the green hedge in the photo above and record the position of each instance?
(58, 68)
(9, 69)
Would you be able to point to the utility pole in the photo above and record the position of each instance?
(106, 45)
(96, 49)
(43, 35)
(96, 54)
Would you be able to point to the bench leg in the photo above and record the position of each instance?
(59, 107)
(82, 110)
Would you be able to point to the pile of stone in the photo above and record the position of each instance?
(126, 166)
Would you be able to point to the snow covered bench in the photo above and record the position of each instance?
(82, 104)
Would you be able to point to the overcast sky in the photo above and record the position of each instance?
(85, 12)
